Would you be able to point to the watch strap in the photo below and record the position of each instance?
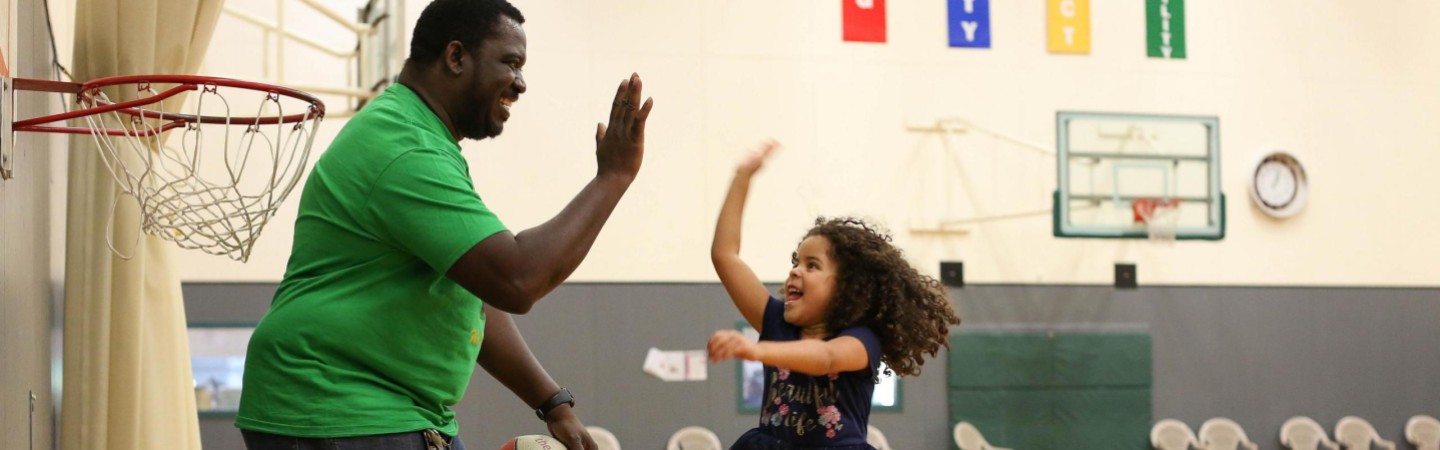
(560, 398)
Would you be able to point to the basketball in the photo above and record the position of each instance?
(533, 442)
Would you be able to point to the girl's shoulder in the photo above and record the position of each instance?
(861, 332)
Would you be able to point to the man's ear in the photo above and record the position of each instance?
(454, 57)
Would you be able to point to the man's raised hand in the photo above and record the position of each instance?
(620, 146)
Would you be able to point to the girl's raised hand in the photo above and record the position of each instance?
(756, 158)
(726, 344)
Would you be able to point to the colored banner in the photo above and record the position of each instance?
(864, 20)
(970, 23)
(1069, 26)
(1165, 28)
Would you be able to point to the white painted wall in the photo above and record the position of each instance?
(1348, 86)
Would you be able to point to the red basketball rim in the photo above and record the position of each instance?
(89, 92)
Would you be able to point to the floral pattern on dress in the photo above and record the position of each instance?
(802, 403)
(829, 415)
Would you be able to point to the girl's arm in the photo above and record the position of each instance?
(807, 356)
(740, 282)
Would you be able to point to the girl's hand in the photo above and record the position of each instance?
(726, 344)
(753, 161)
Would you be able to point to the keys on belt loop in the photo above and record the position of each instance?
(434, 441)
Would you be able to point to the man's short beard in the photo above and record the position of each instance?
(478, 130)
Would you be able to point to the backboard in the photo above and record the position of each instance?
(1108, 161)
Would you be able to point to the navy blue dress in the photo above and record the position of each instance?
(807, 412)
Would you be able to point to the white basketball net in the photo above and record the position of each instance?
(216, 185)
(1161, 221)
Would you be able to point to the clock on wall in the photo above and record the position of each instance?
(1278, 184)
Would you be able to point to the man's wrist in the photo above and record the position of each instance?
(561, 399)
(559, 413)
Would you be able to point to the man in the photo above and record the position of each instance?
(399, 272)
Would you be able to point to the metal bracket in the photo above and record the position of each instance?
(7, 132)
(33, 398)
(961, 126)
(957, 125)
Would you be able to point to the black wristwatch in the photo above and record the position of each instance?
(560, 398)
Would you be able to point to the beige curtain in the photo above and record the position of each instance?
(127, 380)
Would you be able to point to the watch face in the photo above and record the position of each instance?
(1276, 183)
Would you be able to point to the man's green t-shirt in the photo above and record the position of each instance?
(366, 335)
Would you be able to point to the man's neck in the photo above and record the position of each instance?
(420, 82)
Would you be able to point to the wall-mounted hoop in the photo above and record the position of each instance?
(218, 187)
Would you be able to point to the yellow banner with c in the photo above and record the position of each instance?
(1069, 26)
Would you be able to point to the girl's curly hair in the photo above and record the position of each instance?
(876, 287)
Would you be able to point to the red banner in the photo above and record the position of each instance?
(864, 20)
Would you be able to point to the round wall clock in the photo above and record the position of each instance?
(1278, 184)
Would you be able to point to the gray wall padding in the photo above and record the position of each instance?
(1258, 355)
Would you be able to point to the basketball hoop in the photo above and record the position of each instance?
(1161, 217)
(216, 200)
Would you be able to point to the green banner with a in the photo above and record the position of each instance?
(1165, 28)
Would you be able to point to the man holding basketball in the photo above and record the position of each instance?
(399, 272)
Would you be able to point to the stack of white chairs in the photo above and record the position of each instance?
(1354, 433)
(967, 437)
(876, 439)
(1224, 434)
(1351, 433)
(604, 439)
(1423, 432)
(694, 438)
(1304, 433)
(1171, 434)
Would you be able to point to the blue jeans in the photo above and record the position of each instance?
(414, 440)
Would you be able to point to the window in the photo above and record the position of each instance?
(217, 360)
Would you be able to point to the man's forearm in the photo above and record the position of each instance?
(554, 249)
(506, 357)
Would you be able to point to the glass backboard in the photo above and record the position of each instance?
(1106, 162)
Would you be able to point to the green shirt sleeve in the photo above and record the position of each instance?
(425, 204)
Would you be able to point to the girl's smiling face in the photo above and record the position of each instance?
(810, 288)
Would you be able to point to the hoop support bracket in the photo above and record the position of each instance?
(8, 121)
(7, 134)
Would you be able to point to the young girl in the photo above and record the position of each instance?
(850, 302)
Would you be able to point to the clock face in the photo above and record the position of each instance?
(1276, 184)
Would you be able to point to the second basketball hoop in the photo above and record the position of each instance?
(1161, 217)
